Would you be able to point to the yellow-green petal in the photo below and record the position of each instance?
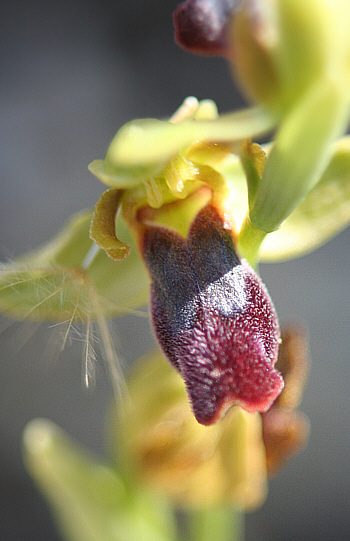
(102, 228)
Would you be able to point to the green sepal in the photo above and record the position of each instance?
(322, 214)
(300, 153)
(89, 500)
(150, 141)
(71, 279)
(142, 148)
(122, 177)
(102, 228)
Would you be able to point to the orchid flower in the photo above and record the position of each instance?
(191, 208)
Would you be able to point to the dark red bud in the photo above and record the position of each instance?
(201, 25)
(213, 318)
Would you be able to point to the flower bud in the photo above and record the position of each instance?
(201, 26)
(282, 48)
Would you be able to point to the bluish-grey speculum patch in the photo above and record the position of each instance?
(213, 317)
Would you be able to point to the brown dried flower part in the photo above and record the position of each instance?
(285, 430)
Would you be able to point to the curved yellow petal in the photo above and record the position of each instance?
(102, 228)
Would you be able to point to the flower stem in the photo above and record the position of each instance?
(224, 524)
(250, 239)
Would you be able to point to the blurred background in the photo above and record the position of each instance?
(71, 74)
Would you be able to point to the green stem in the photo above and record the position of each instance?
(224, 524)
(250, 239)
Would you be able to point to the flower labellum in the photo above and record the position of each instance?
(213, 317)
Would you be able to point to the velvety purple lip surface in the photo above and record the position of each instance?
(201, 25)
(213, 318)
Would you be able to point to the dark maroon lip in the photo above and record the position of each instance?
(213, 317)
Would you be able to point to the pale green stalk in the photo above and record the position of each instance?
(224, 524)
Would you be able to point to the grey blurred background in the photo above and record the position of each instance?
(71, 74)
